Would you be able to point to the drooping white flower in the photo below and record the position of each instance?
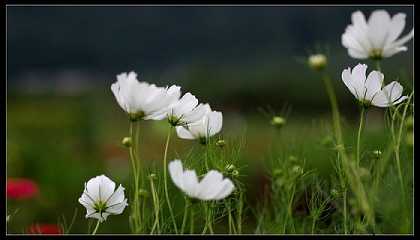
(209, 125)
(369, 90)
(142, 100)
(184, 111)
(376, 38)
(211, 187)
(101, 199)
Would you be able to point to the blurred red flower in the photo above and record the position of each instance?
(21, 188)
(44, 229)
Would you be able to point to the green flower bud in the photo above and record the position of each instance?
(152, 176)
(235, 173)
(278, 121)
(127, 141)
(277, 172)
(409, 138)
(377, 153)
(293, 159)
(220, 143)
(334, 193)
(230, 167)
(409, 123)
(317, 61)
(297, 169)
(327, 141)
(143, 193)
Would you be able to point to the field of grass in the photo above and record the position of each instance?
(288, 179)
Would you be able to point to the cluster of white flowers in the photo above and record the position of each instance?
(374, 39)
(142, 100)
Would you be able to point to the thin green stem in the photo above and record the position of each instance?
(184, 219)
(155, 206)
(359, 133)
(334, 106)
(378, 65)
(96, 228)
(397, 149)
(192, 220)
(314, 219)
(239, 217)
(345, 211)
(134, 165)
(165, 179)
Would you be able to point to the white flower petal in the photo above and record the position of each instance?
(176, 172)
(347, 79)
(117, 208)
(183, 133)
(215, 120)
(209, 184)
(395, 27)
(358, 76)
(116, 197)
(378, 24)
(373, 84)
(226, 189)
(190, 183)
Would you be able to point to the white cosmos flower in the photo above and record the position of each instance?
(142, 100)
(184, 111)
(211, 187)
(101, 199)
(376, 38)
(369, 90)
(209, 125)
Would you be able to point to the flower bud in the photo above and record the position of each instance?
(334, 193)
(152, 176)
(277, 172)
(278, 121)
(230, 167)
(327, 141)
(377, 153)
(409, 138)
(127, 142)
(235, 173)
(317, 61)
(220, 143)
(293, 159)
(297, 169)
(143, 193)
(409, 123)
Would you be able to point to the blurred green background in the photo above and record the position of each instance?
(64, 125)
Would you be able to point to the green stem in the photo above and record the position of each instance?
(359, 133)
(378, 65)
(313, 224)
(192, 220)
(334, 107)
(96, 228)
(345, 211)
(134, 165)
(155, 206)
(184, 219)
(239, 228)
(397, 149)
(165, 179)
